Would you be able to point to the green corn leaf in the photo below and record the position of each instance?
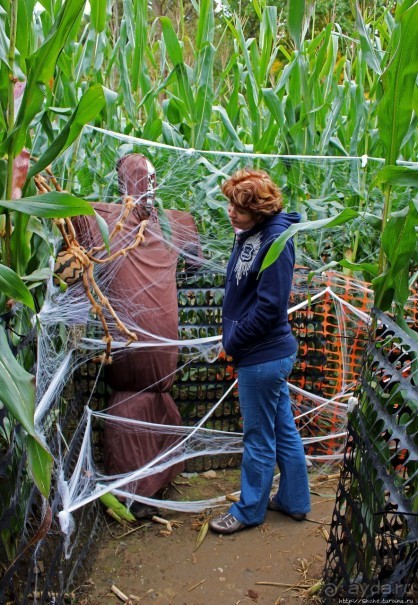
(236, 141)
(4, 57)
(402, 291)
(244, 45)
(367, 48)
(42, 62)
(13, 287)
(268, 31)
(369, 268)
(295, 17)
(127, 93)
(399, 241)
(232, 65)
(90, 105)
(38, 275)
(98, 14)
(384, 289)
(274, 105)
(204, 96)
(104, 230)
(402, 7)
(332, 119)
(286, 73)
(35, 225)
(25, 32)
(252, 104)
(110, 501)
(185, 90)
(335, 142)
(399, 81)
(20, 243)
(399, 238)
(175, 52)
(320, 270)
(233, 104)
(278, 245)
(396, 175)
(285, 52)
(171, 136)
(257, 8)
(40, 463)
(55, 204)
(267, 141)
(205, 25)
(254, 56)
(327, 73)
(319, 48)
(140, 41)
(151, 94)
(173, 110)
(152, 129)
(17, 387)
(41, 65)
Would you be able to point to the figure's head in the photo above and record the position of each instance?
(136, 177)
(252, 196)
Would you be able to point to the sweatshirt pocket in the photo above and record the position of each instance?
(228, 329)
(229, 338)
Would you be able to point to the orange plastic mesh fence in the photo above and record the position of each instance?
(331, 339)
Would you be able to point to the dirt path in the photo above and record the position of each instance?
(153, 567)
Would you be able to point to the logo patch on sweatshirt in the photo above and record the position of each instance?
(248, 253)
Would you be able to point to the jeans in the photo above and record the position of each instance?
(270, 436)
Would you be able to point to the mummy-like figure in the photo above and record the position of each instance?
(143, 291)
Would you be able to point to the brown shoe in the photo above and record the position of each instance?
(226, 524)
(272, 505)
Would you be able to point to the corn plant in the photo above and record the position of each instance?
(26, 72)
(397, 73)
(307, 93)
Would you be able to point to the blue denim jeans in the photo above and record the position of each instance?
(270, 436)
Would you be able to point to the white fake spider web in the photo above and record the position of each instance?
(188, 180)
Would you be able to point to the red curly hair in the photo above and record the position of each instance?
(253, 191)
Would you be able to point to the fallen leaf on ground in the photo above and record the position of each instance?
(202, 535)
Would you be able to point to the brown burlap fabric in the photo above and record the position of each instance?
(142, 290)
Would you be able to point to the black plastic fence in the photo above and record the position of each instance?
(373, 546)
(40, 571)
(201, 382)
(198, 385)
(380, 468)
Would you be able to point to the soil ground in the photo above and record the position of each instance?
(270, 564)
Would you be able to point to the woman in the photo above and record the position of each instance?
(256, 333)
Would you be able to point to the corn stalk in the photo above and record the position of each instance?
(24, 63)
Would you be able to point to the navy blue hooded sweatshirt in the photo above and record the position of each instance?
(254, 312)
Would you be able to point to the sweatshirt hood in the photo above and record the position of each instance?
(283, 219)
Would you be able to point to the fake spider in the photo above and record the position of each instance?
(74, 261)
